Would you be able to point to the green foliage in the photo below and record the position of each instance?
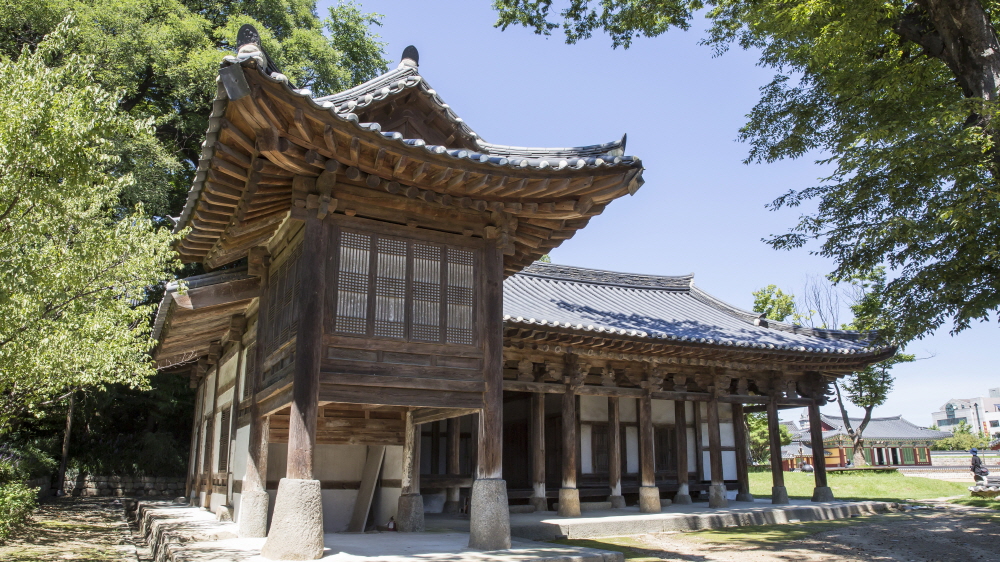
(911, 139)
(75, 262)
(17, 500)
(162, 58)
(774, 303)
(962, 439)
(757, 437)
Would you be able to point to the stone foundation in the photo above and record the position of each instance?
(297, 524)
(129, 486)
(489, 518)
(649, 499)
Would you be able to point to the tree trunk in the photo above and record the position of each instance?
(859, 455)
(60, 483)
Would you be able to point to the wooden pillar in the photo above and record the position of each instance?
(615, 453)
(491, 330)
(489, 518)
(254, 500)
(683, 495)
(717, 489)
(454, 442)
(822, 492)
(649, 493)
(537, 427)
(410, 508)
(191, 485)
(210, 440)
(779, 495)
(308, 351)
(569, 495)
(742, 455)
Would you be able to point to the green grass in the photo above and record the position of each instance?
(978, 502)
(861, 486)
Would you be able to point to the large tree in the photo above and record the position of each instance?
(76, 264)
(162, 57)
(900, 96)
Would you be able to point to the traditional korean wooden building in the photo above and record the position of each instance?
(359, 355)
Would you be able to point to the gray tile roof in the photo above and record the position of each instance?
(892, 427)
(656, 307)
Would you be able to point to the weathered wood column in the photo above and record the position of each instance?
(191, 485)
(209, 459)
(649, 493)
(683, 495)
(410, 508)
(742, 453)
(615, 453)
(489, 517)
(536, 419)
(717, 489)
(452, 502)
(297, 524)
(779, 495)
(252, 516)
(822, 492)
(569, 495)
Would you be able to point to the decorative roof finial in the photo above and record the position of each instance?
(247, 35)
(410, 57)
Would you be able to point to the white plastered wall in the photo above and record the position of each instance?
(241, 453)
(386, 500)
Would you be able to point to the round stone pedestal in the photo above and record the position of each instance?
(822, 494)
(489, 515)
(744, 497)
(649, 499)
(617, 502)
(252, 519)
(410, 513)
(297, 524)
(569, 502)
(717, 496)
(683, 495)
(779, 495)
(540, 504)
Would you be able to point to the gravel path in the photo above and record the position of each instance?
(79, 529)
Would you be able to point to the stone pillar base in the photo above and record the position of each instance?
(410, 513)
(779, 495)
(617, 502)
(649, 499)
(451, 507)
(822, 494)
(683, 495)
(252, 518)
(744, 497)
(569, 502)
(489, 517)
(717, 496)
(297, 524)
(540, 504)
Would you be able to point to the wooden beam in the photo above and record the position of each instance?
(490, 465)
(308, 351)
(369, 478)
(818, 450)
(614, 448)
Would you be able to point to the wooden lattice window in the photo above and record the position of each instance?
(282, 305)
(599, 447)
(224, 440)
(207, 453)
(391, 287)
(664, 443)
(250, 375)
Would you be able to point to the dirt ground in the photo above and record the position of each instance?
(94, 529)
(79, 529)
(952, 534)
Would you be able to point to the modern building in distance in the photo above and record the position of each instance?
(982, 412)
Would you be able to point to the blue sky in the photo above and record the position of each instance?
(701, 210)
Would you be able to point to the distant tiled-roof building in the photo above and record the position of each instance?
(889, 441)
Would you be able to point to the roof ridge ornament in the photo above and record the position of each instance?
(411, 57)
(248, 44)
